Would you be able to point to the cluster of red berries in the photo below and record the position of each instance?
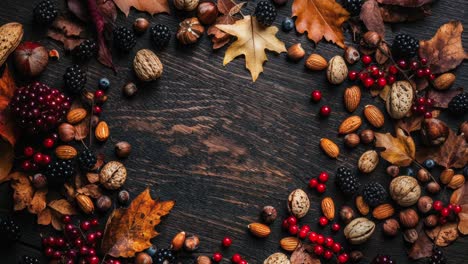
(78, 244)
(35, 159)
(236, 258)
(99, 99)
(446, 212)
(316, 96)
(319, 182)
(417, 67)
(423, 106)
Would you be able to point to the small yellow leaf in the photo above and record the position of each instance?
(399, 150)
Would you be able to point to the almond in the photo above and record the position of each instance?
(65, 152)
(85, 203)
(259, 230)
(329, 147)
(350, 125)
(374, 115)
(444, 81)
(178, 241)
(316, 62)
(328, 208)
(296, 52)
(446, 176)
(102, 131)
(457, 181)
(383, 211)
(76, 115)
(362, 206)
(289, 243)
(352, 98)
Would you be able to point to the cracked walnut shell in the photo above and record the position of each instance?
(113, 175)
(190, 30)
(147, 65)
(405, 190)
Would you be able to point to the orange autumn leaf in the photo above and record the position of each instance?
(399, 150)
(150, 6)
(38, 202)
(7, 135)
(321, 19)
(129, 230)
(23, 191)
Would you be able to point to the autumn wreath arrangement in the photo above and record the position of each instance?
(44, 130)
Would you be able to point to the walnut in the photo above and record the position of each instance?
(113, 175)
(405, 190)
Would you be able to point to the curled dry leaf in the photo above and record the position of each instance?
(129, 231)
(91, 190)
(62, 207)
(442, 98)
(92, 177)
(398, 14)
(23, 191)
(302, 255)
(399, 150)
(372, 18)
(228, 8)
(460, 196)
(66, 31)
(406, 3)
(443, 235)
(321, 19)
(7, 135)
(150, 6)
(422, 248)
(44, 217)
(445, 50)
(381, 54)
(38, 202)
(413, 123)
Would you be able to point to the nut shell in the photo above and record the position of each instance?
(65, 152)
(11, 33)
(337, 71)
(399, 99)
(362, 206)
(405, 190)
(352, 140)
(298, 203)
(296, 52)
(359, 230)
(391, 227)
(66, 132)
(368, 161)
(147, 65)
(316, 62)
(351, 55)
(328, 208)
(207, 12)
(277, 258)
(456, 182)
(409, 218)
(113, 175)
(434, 132)
(383, 211)
(444, 81)
(446, 176)
(85, 203)
(352, 98)
(186, 5)
(289, 243)
(178, 241)
(76, 115)
(259, 230)
(190, 30)
(374, 116)
(330, 148)
(350, 124)
(102, 131)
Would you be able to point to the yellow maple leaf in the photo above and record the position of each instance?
(252, 40)
(399, 150)
(321, 19)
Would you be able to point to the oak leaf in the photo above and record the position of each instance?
(372, 18)
(22, 190)
(445, 50)
(129, 231)
(406, 3)
(228, 8)
(460, 196)
(252, 40)
(399, 150)
(321, 19)
(150, 6)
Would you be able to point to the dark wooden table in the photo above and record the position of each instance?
(222, 146)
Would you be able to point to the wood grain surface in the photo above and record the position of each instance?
(222, 146)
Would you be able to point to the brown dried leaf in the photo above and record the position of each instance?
(91, 190)
(92, 177)
(371, 17)
(384, 92)
(398, 14)
(150, 6)
(406, 3)
(381, 54)
(62, 207)
(228, 8)
(445, 50)
(39, 202)
(460, 196)
(443, 235)
(399, 150)
(44, 217)
(70, 192)
(301, 255)
(422, 248)
(100, 160)
(56, 222)
(442, 98)
(82, 129)
(413, 123)
(129, 230)
(66, 31)
(23, 190)
(7, 135)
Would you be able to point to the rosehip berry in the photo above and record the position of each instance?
(445, 212)
(84, 250)
(392, 69)
(45, 159)
(78, 242)
(427, 72)
(422, 109)
(243, 261)
(98, 94)
(69, 227)
(321, 188)
(285, 224)
(51, 241)
(97, 110)
(305, 228)
(368, 82)
(227, 242)
(313, 183)
(414, 65)
(336, 247)
(292, 220)
(323, 221)
(353, 75)
(362, 76)
(329, 242)
(335, 227)
(92, 252)
(450, 207)
(402, 64)
(313, 237)
(320, 239)
(420, 73)
(323, 177)
(391, 79)
(37, 157)
(316, 95)
(438, 205)
(57, 255)
(325, 110)
(236, 258)
(28, 151)
(26, 165)
(381, 82)
(318, 250)
(457, 209)
(327, 254)
(366, 59)
(302, 234)
(60, 242)
(343, 258)
(91, 238)
(421, 101)
(293, 229)
(428, 115)
(217, 257)
(48, 143)
(98, 234)
(85, 225)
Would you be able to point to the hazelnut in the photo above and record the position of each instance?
(391, 227)
(352, 140)
(103, 203)
(123, 197)
(191, 243)
(123, 149)
(433, 132)
(129, 89)
(203, 260)
(143, 258)
(351, 55)
(269, 214)
(39, 180)
(464, 129)
(367, 136)
(372, 39)
(410, 235)
(66, 132)
(207, 12)
(409, 218)
(423, 175)
(425, 204)
(140, 25)
(94, 121)
(186, 5)
(356, 256)
(431, 221)
(296, 52)
(393, 170)
(190, 30)
(433, 187)
(346, 214)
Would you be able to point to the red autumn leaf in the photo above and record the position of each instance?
(442, 98)
(67, 31)
(406, 3)
(445, 50)
(398, 14)
(372, 18)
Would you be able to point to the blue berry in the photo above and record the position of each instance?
(409, 171)
(151, 250)
(104, 83)
(288, 24)
(465, 171)
(429, 164)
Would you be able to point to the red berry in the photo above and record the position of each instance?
(325, 110)
(227, 242)
(402, 64)
(445, 212)
(313, 183)
(329, 242)
(91, 238)
(323, 177)
(313, 237)
(98, 94)
(343, 258)
(34, 166)
(45, 159)
(97, 110)
(392, 69)
(98, 234)
(375, 71)
(421, 109)
(391, 79)
(302, 234)
(353, 75)
(217, 257)
(321, 188)
(292, 220)
(84, 250)
(37, 157)
(366, 59)
(323, 221)
(60, 242)
(293, 229)
(362, 76)
(438, 205)
(78, 242)
(69, 227)
(316, 95)
(285, 224)
(85, 225)
(429, 102)
(57, 255)
(49, 252)
(335, 227)
(236, 258)
(93, 260)
(442, 220)
(427, 72)
(305, 227)
(51, 241)
(420, 73)
(92, 252)
(428, 115)
(243, 261)
(450, 207)
(457, 209)
(432, 76)
(336, 247)
(381, 82)
(368, 82)
(320, 239)
(26, 165)
(28, 151)
(423, 61)
(327, 254)
(414, 65)
(94, 222)
(318, 250)
(48, 143)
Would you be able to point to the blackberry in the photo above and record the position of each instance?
(374, 194)
(87, 160)
(265, 13)
(382, 259)
(124, 38)
(353, 6)
(437, 256)
(405, 46)
(30, 260)
(45, 12)
(9, 230)
(163, 255)
(160, 34)
(459, 104)
(86, 50)
(38, 108)
(58, 171)
(347, 181)
(75, 79)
